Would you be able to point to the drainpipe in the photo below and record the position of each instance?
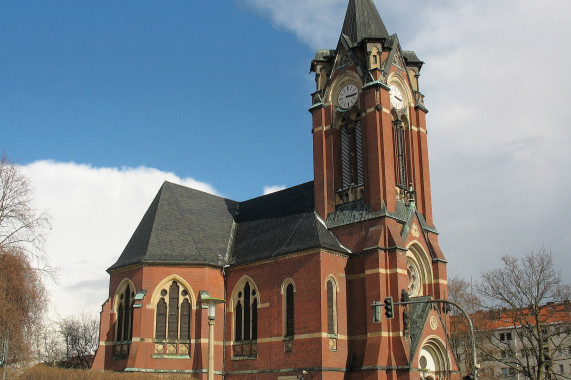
(224, 329)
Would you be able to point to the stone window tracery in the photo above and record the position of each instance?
(124, 319)
(246, 322)
(173, 311)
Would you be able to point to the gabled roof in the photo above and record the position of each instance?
(362, 20)
(187, 226)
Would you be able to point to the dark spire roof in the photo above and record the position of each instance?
(362, 20)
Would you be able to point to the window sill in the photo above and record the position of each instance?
(170, 356)
(244, 357)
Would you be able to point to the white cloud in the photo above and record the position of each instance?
(495, 81)
(273, 189)
(315, 23)
(94, 212)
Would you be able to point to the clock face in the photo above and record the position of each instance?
(397, 99)
(348, 96)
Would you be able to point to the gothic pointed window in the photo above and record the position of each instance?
(124, 324)
(246, 322)
(289, 311)
(124, 320)
(173, 311)
(239, 323)
(352, 173)
(185, 320)
(161, 320)
(331, 289)
(331, 307)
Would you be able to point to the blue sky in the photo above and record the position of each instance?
(207, 91)
(102, 101)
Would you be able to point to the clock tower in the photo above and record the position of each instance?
(372, 189)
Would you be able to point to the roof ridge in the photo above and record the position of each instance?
(275, 193)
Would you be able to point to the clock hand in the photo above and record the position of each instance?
(350, 96)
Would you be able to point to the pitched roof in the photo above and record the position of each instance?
(187, 226)
(550, 313)
(280, 223)
(362, 20)
(182, 225)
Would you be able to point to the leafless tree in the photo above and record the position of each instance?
(22, 301)
(22, 236)
(462, 292)
(49, 343)
(531, 297)
(22, 227)
(81, 336)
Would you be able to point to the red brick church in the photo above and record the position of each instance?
(299, 269)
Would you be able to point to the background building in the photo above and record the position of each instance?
(509, 340)
(299, 269)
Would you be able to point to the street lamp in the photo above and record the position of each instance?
(210, 303)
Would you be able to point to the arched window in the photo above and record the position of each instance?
(332, 313)
(173, 310)
(246, 322)
(124, 325)
(161, 322)
(289, 311)
(124, 319)
(331, 307)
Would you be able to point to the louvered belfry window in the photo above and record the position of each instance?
(124, 325)
(173, 314)
(400, 154)
(289, 304)
(352, 172)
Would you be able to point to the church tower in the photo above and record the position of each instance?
(369, 119)
(300, 272)
(372, 188)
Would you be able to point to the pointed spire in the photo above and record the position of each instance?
(362, 20)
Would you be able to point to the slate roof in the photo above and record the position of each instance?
(188, 226)
(281, 223)
(362, 20)
(411, 57)
(182, 225)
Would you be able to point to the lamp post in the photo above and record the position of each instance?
(210, 303)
